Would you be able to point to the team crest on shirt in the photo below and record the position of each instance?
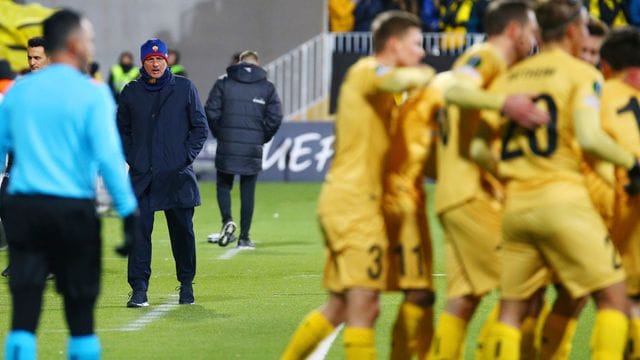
(474, 61)
(597, 88)
(382, 69)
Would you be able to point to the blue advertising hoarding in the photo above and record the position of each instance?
(298, 152)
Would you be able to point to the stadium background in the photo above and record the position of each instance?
(258, 296)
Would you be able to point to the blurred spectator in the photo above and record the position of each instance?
(6, 77)
(611, 12)
(592, 43)
(341, 17)
(174, 63)
(36, 56)
(430, 16)
(235, 58)
(366, 11)
(94, 71)
(474, 25)
(634, 12)
(122, 73)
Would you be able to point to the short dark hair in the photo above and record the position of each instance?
(58, 27)
(621, 48)
(502, 12)
(36, 41)
(597, 27)
(555, 15)
(176, 53)
(390, 24)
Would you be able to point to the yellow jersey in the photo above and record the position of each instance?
(560, 84)
(459, 178)
(413, 134)
(621, 119)
(355, 178)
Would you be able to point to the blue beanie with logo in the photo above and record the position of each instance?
(154, 47)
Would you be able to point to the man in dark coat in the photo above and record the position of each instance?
(163, 128)
(244, 113)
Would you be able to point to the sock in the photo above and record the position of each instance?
(553, 344)
(542, 318)
(20, 345)
(412, 331)
(503, 343)
(609, 335)
(449, 338)
(86, 347)
(528, 338)
(311, 331)
(491, 319)
(634, 339)
(359, 343)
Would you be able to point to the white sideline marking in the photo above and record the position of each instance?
(229, 254)
(151, 316)
(323, 348)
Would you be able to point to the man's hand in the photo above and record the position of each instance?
(633, 187)
(131, 230)
(522, 110)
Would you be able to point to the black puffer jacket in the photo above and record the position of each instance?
(244, 113)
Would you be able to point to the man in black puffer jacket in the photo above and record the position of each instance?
(244, 113)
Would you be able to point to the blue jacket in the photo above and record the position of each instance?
(160, 146)
(244, 113)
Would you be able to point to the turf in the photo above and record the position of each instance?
(246, 306)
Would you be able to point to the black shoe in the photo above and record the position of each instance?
(186, 294)
(226, 234)
(138, 299)
(5, 272)
(246, 244)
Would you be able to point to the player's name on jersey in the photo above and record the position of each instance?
(531, 73)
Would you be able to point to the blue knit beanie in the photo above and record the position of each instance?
(153, 47)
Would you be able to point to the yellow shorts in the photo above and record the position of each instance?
(472, 240)
(556, 228)
(626, 237)
(409, 242)
(602, 196)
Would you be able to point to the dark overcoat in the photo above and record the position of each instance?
(162, 133)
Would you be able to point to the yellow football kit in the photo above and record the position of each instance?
(621, 119)
(465, 196)
(549, 220)
(349, 207)
(404, 206)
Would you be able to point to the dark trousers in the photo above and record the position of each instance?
(183, 246)
(224, 183)
(55, 234)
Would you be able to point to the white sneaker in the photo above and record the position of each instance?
(213, 238)
(226, 235)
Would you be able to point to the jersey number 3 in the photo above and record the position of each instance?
(511, 151)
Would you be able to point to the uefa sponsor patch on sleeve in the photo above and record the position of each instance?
(382, 70)
(597, 88)
(592, 101)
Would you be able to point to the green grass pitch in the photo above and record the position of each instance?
(246, 306)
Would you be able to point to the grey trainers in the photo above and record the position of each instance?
(226, 234)
(246, 244)
(138, 299)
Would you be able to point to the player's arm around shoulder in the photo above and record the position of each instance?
(399, 79)
(480, 149)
